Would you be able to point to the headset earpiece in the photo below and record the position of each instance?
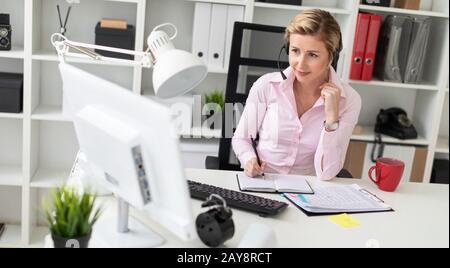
(286, 48)
(279, 58)
(335, 60)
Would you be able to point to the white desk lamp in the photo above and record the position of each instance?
(175, 71)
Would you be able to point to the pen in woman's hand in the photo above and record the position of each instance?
(256, 153)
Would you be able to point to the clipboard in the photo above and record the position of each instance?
(311, 214)
(362, 190)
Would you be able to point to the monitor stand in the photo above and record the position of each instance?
(128, 233)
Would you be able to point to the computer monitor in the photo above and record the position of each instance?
(133, 149)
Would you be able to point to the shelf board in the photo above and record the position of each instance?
(11, 237)
(377, 83)
(403, 11)
(11, 115)
(16, 52)
(216, 70)
(125, 1)
(10, 175)
(49, 113)
(369, 135)
(53, 57)
(442, 145)
(202, 132)
(296, 7)
(49, 178)
(226, 2)
(200, 146)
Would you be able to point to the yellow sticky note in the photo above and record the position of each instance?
(345, 221)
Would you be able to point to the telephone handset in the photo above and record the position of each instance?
(394, 122)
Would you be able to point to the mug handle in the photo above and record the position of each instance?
(370, 174)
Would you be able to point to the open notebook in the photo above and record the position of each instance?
(338, 199)
(274, 183)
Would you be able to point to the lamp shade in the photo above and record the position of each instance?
(176, 72)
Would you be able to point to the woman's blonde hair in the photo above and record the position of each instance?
(317, 22)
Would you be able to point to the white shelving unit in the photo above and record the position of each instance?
(436, 12)
(367, 135)
(442, 144)
(38, 146)
(15, 53)
(272, 6)
(389, 85)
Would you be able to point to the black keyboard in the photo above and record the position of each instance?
(260, 205)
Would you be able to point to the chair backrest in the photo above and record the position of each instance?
(232, 96)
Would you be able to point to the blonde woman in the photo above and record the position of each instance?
(308, 118)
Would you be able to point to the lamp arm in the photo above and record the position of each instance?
(63, 45)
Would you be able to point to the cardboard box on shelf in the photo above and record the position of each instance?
(408, 4)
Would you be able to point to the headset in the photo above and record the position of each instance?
(286, 45)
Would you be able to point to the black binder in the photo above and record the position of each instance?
(393, 48)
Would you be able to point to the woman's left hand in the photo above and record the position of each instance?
(332, 96)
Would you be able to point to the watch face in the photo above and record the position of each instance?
(332, 127)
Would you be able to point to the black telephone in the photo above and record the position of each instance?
(394, 122)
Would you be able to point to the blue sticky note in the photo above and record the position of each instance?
(303, 198)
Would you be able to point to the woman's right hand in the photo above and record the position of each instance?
(252, 169)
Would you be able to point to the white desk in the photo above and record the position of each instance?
(421, 218)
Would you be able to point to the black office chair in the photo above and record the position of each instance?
(222, 162)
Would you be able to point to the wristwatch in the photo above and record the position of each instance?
(331, 127)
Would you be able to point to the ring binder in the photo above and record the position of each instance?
(393, 48)
(417, 53)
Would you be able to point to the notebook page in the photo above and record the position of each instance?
(259, 182)
(290, 183)
(342, 198)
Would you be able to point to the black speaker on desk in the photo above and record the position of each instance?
(118, 38)
(11, 93)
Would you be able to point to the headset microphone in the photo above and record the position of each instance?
(279, 67)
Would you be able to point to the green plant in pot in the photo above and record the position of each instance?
(71, 217)
(214, 105)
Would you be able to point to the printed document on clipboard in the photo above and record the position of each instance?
(338, 199)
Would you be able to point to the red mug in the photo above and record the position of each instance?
(388, 172)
